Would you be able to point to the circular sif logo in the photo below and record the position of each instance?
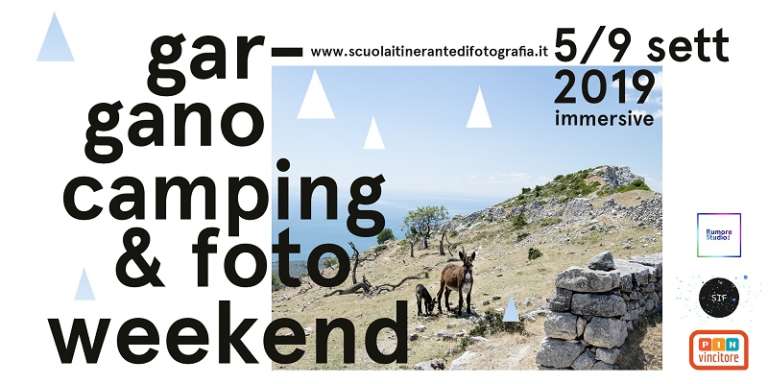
(719, 297)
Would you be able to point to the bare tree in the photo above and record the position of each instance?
(365, 287)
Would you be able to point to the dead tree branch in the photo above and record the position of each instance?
(364, 285)
(392, 287)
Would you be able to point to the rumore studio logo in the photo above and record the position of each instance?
(719, 350)
(718, 235)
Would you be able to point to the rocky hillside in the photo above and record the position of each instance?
(584, 195)
(566, 221)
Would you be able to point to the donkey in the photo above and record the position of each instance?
(422, 295)
(457, 278)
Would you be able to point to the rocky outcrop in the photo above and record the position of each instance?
(574, 209)
(595, 308)
(579, 279)
(614, 177)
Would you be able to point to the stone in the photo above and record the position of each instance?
(561, 325)
(462, 361)
(478, 339)
(555, 353)
(496, 298)
(605, 333)
(601, 365)
(430, 365)
(585, 361)
(420, 328)
(581, 323)
(626, 282)
(608, 355)
(413, 337)
(598, 305)
(561, 301)
(579, 279)
(632, 274)
(486, 302)
(445, 335)
(653, 260)
(633, 314)
(602, 262)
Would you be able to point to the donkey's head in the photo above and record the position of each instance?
(430, 304)
(467, 260)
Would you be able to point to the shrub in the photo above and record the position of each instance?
(385, 235)
(550, 221)
(276, 283)
(491, 323)
(522, 235)
(637, 184)
(534, 253)
(330, 262)
(519, 221)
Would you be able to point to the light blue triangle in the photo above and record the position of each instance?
(55, 47)
(84, 291)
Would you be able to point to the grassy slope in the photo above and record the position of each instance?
(502, 269)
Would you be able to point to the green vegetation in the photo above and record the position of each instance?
(423, 221)
(385, 235)
(547, 221)
(276, 283)
(564, 186)
(330, 262)
(493, 322)
(519, 221)
(637, 184)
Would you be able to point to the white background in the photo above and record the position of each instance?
(713, 147)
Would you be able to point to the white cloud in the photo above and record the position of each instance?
(657, 85)
(504, 178)
(658, 76)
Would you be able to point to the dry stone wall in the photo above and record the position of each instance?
(594, 308)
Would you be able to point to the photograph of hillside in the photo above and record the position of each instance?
(516, 244)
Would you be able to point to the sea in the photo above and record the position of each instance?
(311, 233)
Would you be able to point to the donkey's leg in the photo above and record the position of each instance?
(447, 304)
(439, 296)
(469, 300)
(461, 301)
(418, 304)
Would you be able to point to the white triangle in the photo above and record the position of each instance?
(373, 140)
(315, 104)
(478, 117)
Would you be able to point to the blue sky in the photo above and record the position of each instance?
(421, 114)
(430, 156)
